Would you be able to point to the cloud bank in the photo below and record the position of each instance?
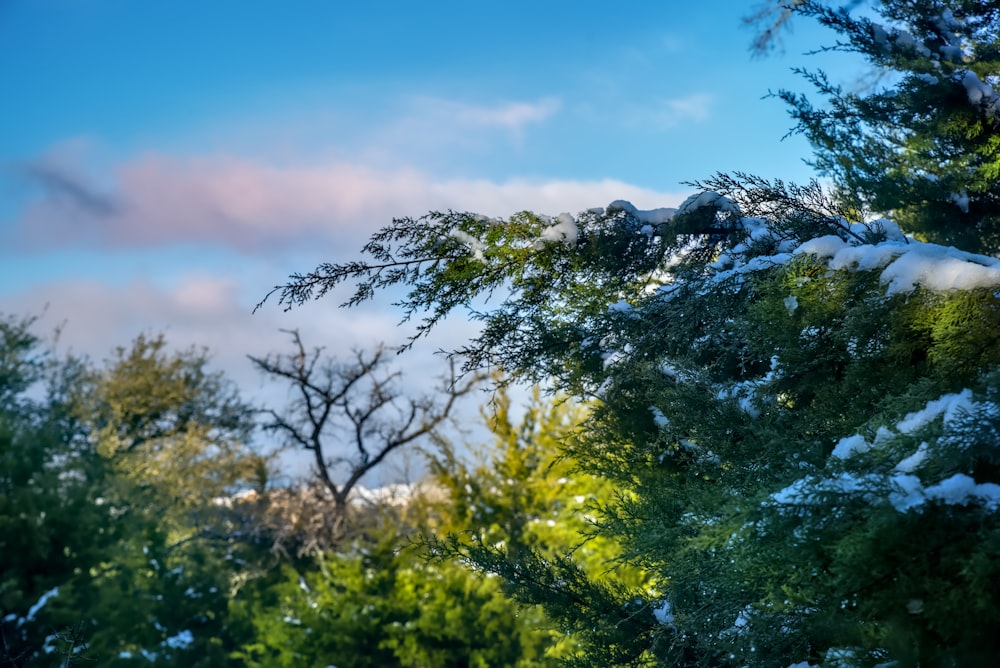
(252, 206)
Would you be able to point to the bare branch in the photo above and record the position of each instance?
(357, 407)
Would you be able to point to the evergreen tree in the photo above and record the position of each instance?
(377, 605)
(386, 602)
(177, 437)
(762, 369)
(115, 548)
(923, 143)
(526, 500)
(52, 533)
(795, 402)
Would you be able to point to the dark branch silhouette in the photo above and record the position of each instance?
(351, 416)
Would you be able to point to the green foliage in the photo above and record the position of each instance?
(51, 531)
(528, 513)
(455, 260)
(922, 143)
(177, 438)
(389, 603)
(166, 420)
(379, 605)
(759, 414)
(788, 454)
(114, 546)
(523, 491)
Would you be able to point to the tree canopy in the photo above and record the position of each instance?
(771, 441)
(794, 395)
(115, 546)
(920, 142)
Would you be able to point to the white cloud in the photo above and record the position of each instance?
(271, 213)
(513, 116)
(263, 210)
(696, 107)
(260, 209)
(201, 310)
(550, 197)
(443, 116)
(429, 127)
(253, 206)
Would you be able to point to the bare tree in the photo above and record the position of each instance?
(351, 416)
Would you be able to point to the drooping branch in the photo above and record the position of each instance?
(773, 18)
(544, 277)
(805, 210)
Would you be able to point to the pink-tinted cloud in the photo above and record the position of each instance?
(161, 199)
(252, 206)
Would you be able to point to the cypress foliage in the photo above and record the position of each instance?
(923, 142)
(795, 402)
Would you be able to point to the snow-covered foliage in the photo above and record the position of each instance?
(922, 142)
(564, 229)
(796, 390)
(785, 394)
(473, 243)
(906, 265)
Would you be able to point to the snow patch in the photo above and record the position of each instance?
(976, 89)
(849, 446)
(661, 420)
(961, 200)
(956, 490)
(564, 230)
(960, 490)
(904, 491)
(841, 657)
(822, 247)
(474, 244)
(951, 406)
(791, 303)
(708, 198)
(649, 217)
(907, 42)
(742, 621)
(664, 613)
(913, 462)
(907, 266)
(40, 603)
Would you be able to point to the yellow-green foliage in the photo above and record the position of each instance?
(525, 491)
(166, 422)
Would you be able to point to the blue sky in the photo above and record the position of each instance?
(165, 163)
